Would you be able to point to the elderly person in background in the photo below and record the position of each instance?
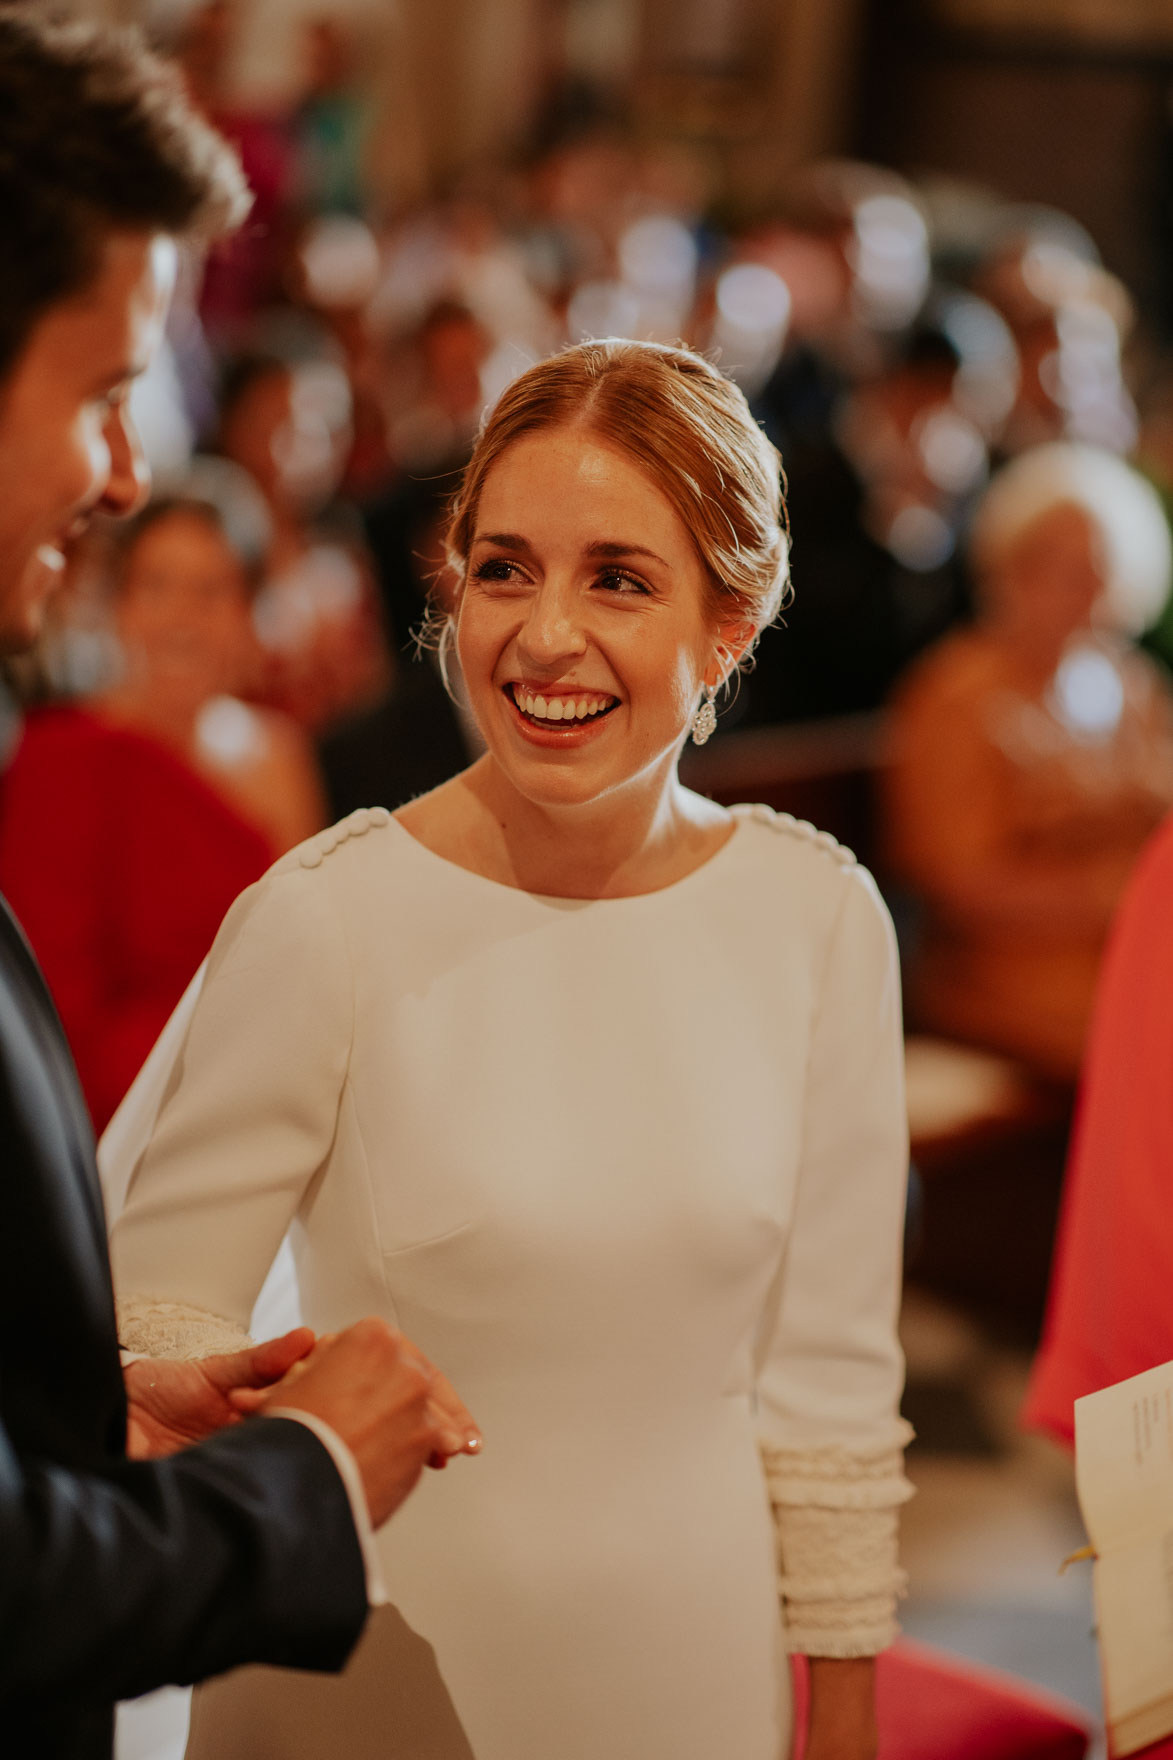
(1033, 754)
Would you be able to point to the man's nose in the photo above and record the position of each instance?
(129, 482)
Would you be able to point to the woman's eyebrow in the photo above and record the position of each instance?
(505, 541)
(604, 549)
(611, 550)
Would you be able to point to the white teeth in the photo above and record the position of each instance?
(560, 708)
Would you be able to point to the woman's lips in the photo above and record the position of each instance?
(559, 718)
(559, 706)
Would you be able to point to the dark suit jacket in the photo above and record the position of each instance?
(118, 1576)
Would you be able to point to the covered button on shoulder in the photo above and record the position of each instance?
(312, 853)
(802, 828)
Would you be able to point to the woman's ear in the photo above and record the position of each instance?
(734, 642)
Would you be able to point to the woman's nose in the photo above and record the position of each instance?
(129, 482)
(553, 629)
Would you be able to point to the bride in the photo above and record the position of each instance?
(594, 1088)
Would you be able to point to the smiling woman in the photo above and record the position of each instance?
(621, 544)
(598, 1090)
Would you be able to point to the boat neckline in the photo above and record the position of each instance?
(567, 900)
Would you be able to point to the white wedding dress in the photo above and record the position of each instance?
(631, 1172)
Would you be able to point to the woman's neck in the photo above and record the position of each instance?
(639, 841)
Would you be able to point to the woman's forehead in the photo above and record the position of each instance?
(573, 479)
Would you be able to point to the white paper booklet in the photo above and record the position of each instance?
(1124, 1477)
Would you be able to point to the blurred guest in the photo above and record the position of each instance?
(323, 654)
(335, 275)
(129, 825)
(1154, 456)
(881, 492)
(422, 731)
(183, 594)
(1071, 319)
(441, 388)
(243, 273)
(1111, 1306)
(1032, 755)
(334, 120)
(852, 246)
(1110, 1312)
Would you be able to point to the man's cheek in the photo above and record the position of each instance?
(22, 611)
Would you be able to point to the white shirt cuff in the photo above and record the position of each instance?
(340, 1454)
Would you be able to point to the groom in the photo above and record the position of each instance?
(118, 1574)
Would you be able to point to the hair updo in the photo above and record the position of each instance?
(688, 428)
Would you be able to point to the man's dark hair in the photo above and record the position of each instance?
(96, 135)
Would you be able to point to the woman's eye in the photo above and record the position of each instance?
(616, 581)
(497, 568)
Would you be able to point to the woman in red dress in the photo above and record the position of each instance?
(128, 825)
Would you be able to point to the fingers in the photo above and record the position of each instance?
(249, 1399)
(262, 1364)
(452, 1418)
(456, 1432)
(381, 1395)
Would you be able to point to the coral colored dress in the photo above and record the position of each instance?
(1111, 1305)
(120, 862)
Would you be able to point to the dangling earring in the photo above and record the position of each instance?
(704, 722)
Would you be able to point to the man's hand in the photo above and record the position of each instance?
(386, 1402)
(173, 1404)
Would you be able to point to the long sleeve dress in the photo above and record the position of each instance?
(631, 1171)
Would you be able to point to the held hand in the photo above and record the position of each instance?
(173, 1404)
(386, 1402)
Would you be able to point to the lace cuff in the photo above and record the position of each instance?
(172, 1329)
(836, 1517)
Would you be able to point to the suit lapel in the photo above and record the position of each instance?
(41, 1017)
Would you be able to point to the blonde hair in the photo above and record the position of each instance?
(683, 424)
(1124, 508)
